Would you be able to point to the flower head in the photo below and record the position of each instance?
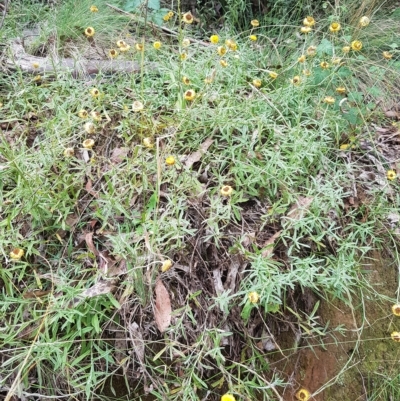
(35, 65)
(166, 265)
(329, 100)
(168, 16)
(157, 45)
(214, 39)
(68, 152)
(307, 73)
(208, 80)
(273, 74)
(96, 116)
(183, 56)
(89, 32)
(335, 27)
(254, 23)
(228, 397)
(37, 78)
(221, 50)
(395, 336)
(112, 53)
(254, 297)
(387, 55)
(311, 51)
(336, 60)
(305, 29)
(231, 44)
(94, 92)
(303, 395)
(344, 146)
(121, 43)
(94, 9)
(88, 143)
(170, 161)
(223, 63)
(356, 45)
(187, 18)
(257, 82)
(341, 90)
(185, 42)
(189, 95)
(345, 49)
(302, 59)
(137, 106)
(226, 190)
(186, 80)
(309, 21)
(364, 21)
(253, 38)
(296, 80)
(139, 47)
(124, 49)
(324, 65)
(89, 128)
(83, 113)
(396, 309)
(391, 175)
(148, 143)
(16, 254)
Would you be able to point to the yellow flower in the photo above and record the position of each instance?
(148, 143)
(68, 152)
(170, 161)
(231, 44)
(168, 16)
(295, 80)
(223, 63)
(186, 80)
(189, 95)
(137, 106)
(344, 146)
(208, 80)
(166, 265)
(88, 143)
(309, 21)
(35, 65)
(329, 99)
(83, 113)
(233, 47)
(94, 9)
(336, 60)
(253, 297)
(226, 190)
(311, 51)
(254, 23)
(121, 43)
(125, 48)
(139, 47)
(396, 309)
(307, 73)
(302, 59)
(395, 336)
(257, 82)
(364, 21)
(183, 56)
(303, 395)
(273, 74)
(228, 397)
(324, 65)
(89, 32)
(89, 128)
(187, 18)
(185, 42)
(214, 39)
(335, 27)
(157, 45)
(253, 38)
(305, 29)
(345, 49)
(94, 92)
(96, 116)
(391, 175)
(356, 45)
(16, 254)
(37, 78)
(387, 55)
(341, 90)
(112, 53)
(221, 50)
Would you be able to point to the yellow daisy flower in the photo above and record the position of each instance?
(311, 51)
(214, 39)
(88, 143)
(139, 47)
(254, 297)
(89, 32)
(157, 45)
(183, 56)
(35, 65)
(345, 49)
(395, 336)
(121, 43)
(82, 113)
(228, 397)
(96, 116)
(148, 143)
(185, 42)
(189, 95)
(94, 92)
(186, 80)
(221, 50)
(170, 161)
(309, 21)
(94, 9)
(391, 175)
(335, 27)
(296, 80)
(387, 55)
(344, 146)
(356, 45)
(303, 395)
(396, 309)
(124, 49)
(254, 23)
(341, 90)
(68, 152)
(137, 106)
(90, 128)
(324, 65)
(187, 18)
(302, 59)
(364, 21)
(329, 99)
(305, 29)
(226, 190)
(273, 74)
(223, 63)
(16, 254)
(253, 38)
(112, 53)
(257, 83)
(166, 265)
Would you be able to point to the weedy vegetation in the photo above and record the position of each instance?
(179, 227)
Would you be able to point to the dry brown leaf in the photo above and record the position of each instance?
(90, 245)
(392, 114)
(100, 288)
(297, 211)
(89, 189)
(196, 156)
(269, 245)
(162, 310)
(118, 155)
